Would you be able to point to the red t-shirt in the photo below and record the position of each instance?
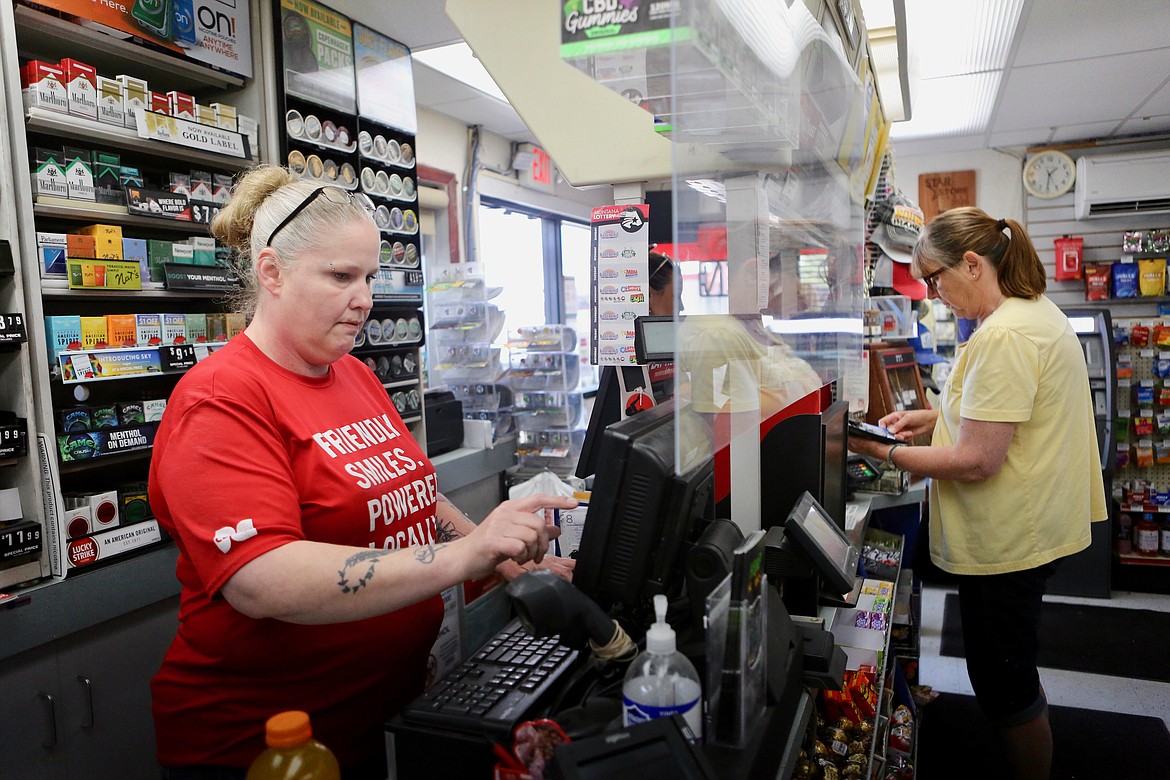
(249, 457)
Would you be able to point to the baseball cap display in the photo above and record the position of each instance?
(899, 228)
(924, 347)
(896, 276)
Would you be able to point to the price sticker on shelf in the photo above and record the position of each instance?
(12, 329)
(177, 357)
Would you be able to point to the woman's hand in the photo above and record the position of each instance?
(562, 567)
(908, 424)
(513, 532)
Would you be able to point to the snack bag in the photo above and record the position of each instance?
(1152, 276)
(1125, 280)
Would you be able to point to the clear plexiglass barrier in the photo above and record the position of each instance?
(771, 90)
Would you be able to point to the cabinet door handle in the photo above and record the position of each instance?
(51, 710)
(88, 699)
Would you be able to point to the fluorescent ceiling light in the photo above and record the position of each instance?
(956, 105)
(457, 61)
(956, 55)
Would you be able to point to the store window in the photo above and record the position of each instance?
(541, 263)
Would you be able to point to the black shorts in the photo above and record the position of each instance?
(1001, 622)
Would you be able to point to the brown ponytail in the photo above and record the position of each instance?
(967, 229)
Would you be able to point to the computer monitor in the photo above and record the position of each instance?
(642, 515)
(833, 556)
(805, 452)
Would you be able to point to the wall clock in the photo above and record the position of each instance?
(1049, 174)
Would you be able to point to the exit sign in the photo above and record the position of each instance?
(537, 170)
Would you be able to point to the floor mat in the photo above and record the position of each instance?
(956, 743)
(1086, 638)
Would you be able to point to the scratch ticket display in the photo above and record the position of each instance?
(620, 276)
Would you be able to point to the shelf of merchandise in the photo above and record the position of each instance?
(82, 214)
(65, 126)
(175, 352)
(1133, 559)
(32, 33)
(59, 288)
(42, 33)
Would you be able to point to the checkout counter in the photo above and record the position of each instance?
(801, 659)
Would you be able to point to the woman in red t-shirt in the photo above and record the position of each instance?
(313, 541)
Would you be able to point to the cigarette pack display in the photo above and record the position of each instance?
(79, 173)
(80, 246)
(134, 250)
(80, 87)
(149, 329)
(78, 520)
(182, 105)
(51, 247)
(205, 115)
(107, 170)
(73, 419)
(153, 408)
(180, 183)
(63, 334)
(182, 252)
(221, 188)
(216, 326)
(130, 176)
(250, 128)
(234, 323)
(174, 328)
(225, 116)
(135, 96)
(104, 416)
(43, 86)
(111, 106)
(202, 249)
(121, 330)
(93, 333)
(131, 413)
(48, 173)
(105, 510)
(160, 103)
(201, 185)
(196, 327)
(159, 252)
(107, 241)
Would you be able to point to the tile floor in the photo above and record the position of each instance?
(1070, 689)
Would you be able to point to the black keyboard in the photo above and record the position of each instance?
(494, 689)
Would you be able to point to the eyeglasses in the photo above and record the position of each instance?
(331, 194)
(931, 279)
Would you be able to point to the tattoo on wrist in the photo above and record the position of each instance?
(445, 532)
(426, 553)
(352, 563)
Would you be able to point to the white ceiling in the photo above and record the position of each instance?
(1075, 70)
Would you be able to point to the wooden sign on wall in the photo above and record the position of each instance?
(938, 192)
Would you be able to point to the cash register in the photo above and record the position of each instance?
(644, 517)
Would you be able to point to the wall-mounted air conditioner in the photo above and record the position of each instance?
(1117, 185)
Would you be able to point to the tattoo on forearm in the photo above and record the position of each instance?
(445, 531)
(352, 563)
(426, 553)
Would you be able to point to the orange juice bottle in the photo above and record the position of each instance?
(292, 752)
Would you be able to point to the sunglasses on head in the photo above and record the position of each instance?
(329, 193)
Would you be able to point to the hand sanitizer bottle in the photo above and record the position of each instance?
(661, 681)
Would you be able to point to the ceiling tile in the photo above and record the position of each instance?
(433, 89)
(418, 25)
(1094, 90)
(1060, 30)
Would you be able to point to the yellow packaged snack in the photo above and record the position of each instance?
(1152, 276)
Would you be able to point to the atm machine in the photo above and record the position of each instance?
(1088, 573)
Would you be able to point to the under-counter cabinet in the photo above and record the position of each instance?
(79, 707)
